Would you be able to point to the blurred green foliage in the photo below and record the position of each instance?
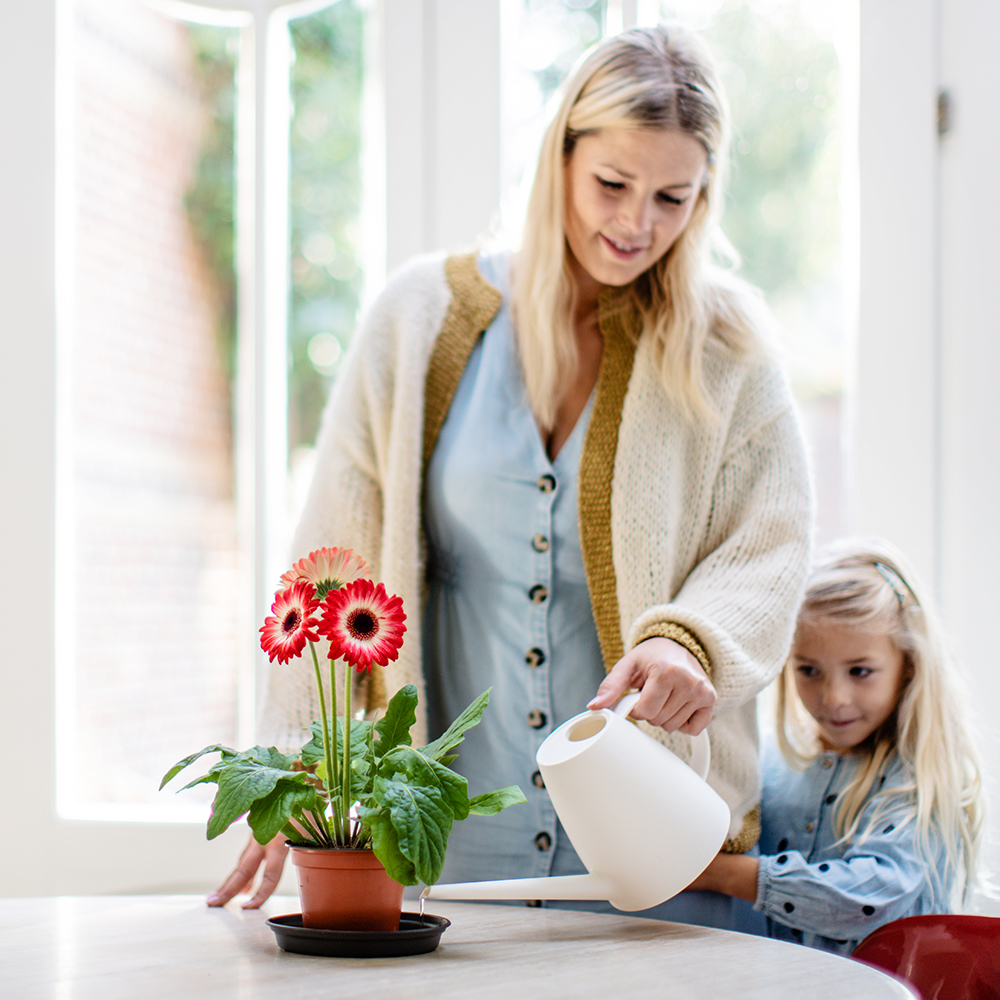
(209, 201)
(325, 203)
(783, 214)
(782, 82)
(325, 193)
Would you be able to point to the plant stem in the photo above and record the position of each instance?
(340, 808)
(346, 773)
(308, 829)
(328, 753)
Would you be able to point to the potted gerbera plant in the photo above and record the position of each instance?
(357, 797)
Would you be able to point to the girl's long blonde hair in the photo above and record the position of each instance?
(865, 585)
(657, 78)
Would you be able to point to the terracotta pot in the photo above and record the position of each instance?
(346, 890)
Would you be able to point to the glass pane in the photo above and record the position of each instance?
(325, 183)
(780, 63)
(542, 39)
(150, 672)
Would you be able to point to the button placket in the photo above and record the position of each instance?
(540, 561)
(831, 768)
(538, 551)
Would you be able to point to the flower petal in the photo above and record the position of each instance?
(327, 569)
(285, 632)
(363, 623)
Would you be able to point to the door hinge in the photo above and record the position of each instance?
(944, 112)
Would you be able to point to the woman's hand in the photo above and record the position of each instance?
(272, 855)
(674, 691)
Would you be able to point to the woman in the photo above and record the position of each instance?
(577, 465)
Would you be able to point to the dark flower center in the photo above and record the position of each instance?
(291, 622)
(363, 624)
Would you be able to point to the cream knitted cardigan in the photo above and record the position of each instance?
(698, 532)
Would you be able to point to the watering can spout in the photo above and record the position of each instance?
(557, 887)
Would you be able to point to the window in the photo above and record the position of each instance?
(151, 549)
(156, 494)
(780, 62)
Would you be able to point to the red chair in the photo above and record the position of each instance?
(945, 956)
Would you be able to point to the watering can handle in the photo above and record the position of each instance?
(701, 749)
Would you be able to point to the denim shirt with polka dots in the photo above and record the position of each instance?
(827, 894)
(507, 604)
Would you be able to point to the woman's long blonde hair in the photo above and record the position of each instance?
(866, 586)
(655, 78)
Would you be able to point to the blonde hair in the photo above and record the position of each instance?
(646, 78)
(865, 585)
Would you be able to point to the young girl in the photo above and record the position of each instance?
(873, 809)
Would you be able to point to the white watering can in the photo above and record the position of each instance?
(644, 822)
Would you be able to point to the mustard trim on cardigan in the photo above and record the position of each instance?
(597, 466)
(671, 630)
(747, 837)
(474, 303)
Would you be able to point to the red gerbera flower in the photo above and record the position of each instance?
(327, 569)
(284, 634)
(364, 624)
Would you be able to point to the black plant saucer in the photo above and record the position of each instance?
(416, 936)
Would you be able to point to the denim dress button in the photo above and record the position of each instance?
(536, 719)
(537, 780)
(543, 841)
(534, 657)
(538, 593)
(547, 483)
(540, 543)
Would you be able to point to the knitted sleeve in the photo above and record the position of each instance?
(739, 580)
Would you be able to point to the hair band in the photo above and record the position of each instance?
(894, 580)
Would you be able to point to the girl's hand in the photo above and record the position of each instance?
(730, 874)
(674, 692)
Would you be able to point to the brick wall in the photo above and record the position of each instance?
(152, 501)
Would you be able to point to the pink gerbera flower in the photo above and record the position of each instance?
(284, 634)
(364, 624)
(327, 569)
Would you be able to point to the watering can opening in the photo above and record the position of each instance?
(585, 726)
(590, 765)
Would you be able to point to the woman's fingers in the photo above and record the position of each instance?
(674, 691)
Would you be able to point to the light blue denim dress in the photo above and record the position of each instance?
(829, 895)
(508, 608)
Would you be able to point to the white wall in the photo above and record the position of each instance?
(926, 441)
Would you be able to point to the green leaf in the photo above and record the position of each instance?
(385, 844)
(312, 752)
(269, 814)
(420, 771)
(269, 757)
(422, 821)
(451, 738)
(241, 784)
(181, 764)
(394, 727)
(490, 803)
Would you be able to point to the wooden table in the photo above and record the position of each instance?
(152, 947)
